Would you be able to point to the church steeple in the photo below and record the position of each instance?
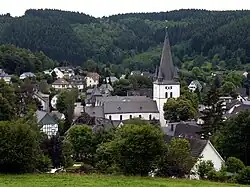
(166, 69)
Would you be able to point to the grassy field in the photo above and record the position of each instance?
(97, 181)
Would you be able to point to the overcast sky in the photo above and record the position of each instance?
(99, 8)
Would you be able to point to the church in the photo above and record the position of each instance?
(118, 109)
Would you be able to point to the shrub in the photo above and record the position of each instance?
(234, 165)
(217, 176)
(204, 168)
(244, 176)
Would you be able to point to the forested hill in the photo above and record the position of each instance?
(217, 40)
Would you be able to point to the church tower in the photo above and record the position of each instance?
(165, 85)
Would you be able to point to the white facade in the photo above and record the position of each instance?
(50, 129)
(90, 82)
(192, 86)
(61, 86)
(210, 153)
(58, 73)
(127, 116)
(161, 93)
(54, 101)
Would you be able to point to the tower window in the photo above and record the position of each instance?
(150, 117)
(130, 116)
(110, 117)
(166, 95)
(139, 116)
(171, 94)
(121, 117)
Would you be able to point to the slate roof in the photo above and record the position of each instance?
(124, 98)
(112, 78)
(231, 104)
(44, 118)
(60, 82)
(242, 107)
(128, 106)
(189, 129)
(167, 70)
(196, 145)
(242, 92)
(148, 92)
(96, 111)
(27, 74)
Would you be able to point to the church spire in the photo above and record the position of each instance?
(166, 69)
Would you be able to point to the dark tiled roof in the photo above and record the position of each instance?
(231, 104)
(196, 145)
(120, 107)
(141, 92)
(242, 107)
(60, 82)
(242, 92)
(96, 111)
(94, 76)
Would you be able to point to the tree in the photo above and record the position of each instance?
(204, 168)
(180, 109)
(80, 136)
(228, 88)
(6, 111)
(19, 148)
(212, 115)
(66, 105)
(121, 87)
(244, 176)
(177, 159)
(135, 149)
(233, 140)
(234, 165)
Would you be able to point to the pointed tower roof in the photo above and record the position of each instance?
(166, 69)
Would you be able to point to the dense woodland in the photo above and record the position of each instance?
(209, 39)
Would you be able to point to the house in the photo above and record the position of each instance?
(48, 124)
(242, 94)
(61, 84)
(54, 101)
(187, 129)
(5, 76)
(78, 82)
(111, 79)
(203, 150)
(57, 115)
(106, 89)
(63, 72)
(245, 73)
(194, 85)
(92, 79)
(135, 73)
(44, 100)
(27, 75)
(118, 108)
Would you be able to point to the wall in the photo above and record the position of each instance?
(58, 73)
(90, 82)
(159, 95)
(126, 116)
(50, 129)
(61, 86)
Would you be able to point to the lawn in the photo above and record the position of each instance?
(97, 181)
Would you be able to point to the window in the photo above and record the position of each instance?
(110, 117)
(166, 95)
(150, 117)
(130, 116)
(121, 117)
(171, 94)
(139, 116)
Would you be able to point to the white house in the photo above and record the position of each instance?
(27, 75)
(44, 100)
(78, 82)
(195, 85)
(48, 124)
(54, 101)
(5, 76)
(61, 84)
(63, 72)
(92, 79)
(111, 79)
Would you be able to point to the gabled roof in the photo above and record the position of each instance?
(27, 74)
(44, 118)
(60, 82)
(242, 92)
(93, 75)
(196, 145)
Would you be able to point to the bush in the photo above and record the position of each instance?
(244, 176)
(204, 168)
(44, 163)
(234, 165)
(217, 176)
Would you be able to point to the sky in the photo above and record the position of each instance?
(99, 8)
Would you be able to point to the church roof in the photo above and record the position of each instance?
(167, 71)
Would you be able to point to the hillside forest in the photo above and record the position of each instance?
(211, 40)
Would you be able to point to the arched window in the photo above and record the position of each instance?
(110, 117)
(150, 117)
(171, 94)
(121, 117)
(130, 116)
(166, 95)
(139, 116)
